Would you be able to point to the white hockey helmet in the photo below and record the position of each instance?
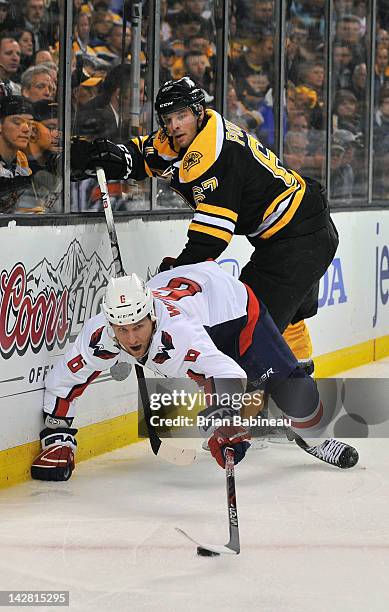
(127, 300)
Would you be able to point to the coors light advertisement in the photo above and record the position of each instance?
(42, 309)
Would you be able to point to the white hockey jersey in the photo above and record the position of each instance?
(189, 302)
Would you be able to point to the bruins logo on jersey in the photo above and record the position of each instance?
(161, 136)
(191, 159)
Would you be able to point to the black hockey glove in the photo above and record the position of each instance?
(166, 264)
(86, 156)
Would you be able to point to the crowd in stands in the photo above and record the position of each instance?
(30, 141)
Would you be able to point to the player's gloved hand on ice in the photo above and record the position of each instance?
(166, 264)
(56, 461)
(86, 156)
(236, 437)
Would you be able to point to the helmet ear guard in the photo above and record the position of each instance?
(127, 300)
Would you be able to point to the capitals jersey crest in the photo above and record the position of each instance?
(167, 345)
(98, 347)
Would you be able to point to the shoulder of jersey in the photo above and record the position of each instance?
(207, 147)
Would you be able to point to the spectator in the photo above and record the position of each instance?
(257, 60)
(293, 58)
(35, 19)
(258, 20)
(346, 115)
(25, 39)
(359, 86)
(349, 32)
(84, 88)
(342, 176)
(6, 22)
(101, 24)
(10, 56)
(43, 56)
(252, 90)
(193, 12)
(115, 89)
(43, 154)
(197, 66)
(112, 51)
(295, 150)
(381, 124)
(166, 61)
(16, 117)
(37, 83)
(342, 68)
(239, 114)
(82, 34)
(381, 77)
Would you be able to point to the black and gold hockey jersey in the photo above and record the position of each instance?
(234, 184)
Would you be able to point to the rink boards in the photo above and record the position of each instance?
(53, 279)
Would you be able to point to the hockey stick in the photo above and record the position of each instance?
(331, 451)
(117, 259)
(233, 545)
(180, 456)
(173, 455)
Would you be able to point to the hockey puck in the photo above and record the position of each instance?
(204, 552)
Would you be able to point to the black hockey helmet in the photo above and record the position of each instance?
(174, 95)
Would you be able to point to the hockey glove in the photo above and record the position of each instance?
(85, 156)
(166, 264)
(56, 461)
(234, 436)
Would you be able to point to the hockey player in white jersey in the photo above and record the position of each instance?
(193, 321)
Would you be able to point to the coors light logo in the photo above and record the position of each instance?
(49, 305)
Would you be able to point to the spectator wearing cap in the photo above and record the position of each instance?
(43, 155)
(342, 175)
(45, 144)
(36, 20)
(166, 61)
(252, 89)
(345, 116)
(84, 88)
(10, 55)
(37, 83)
(16, 116)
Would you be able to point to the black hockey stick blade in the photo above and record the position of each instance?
(342, 456)
(233, 545)
(171, 454)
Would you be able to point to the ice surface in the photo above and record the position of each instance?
(314, 538)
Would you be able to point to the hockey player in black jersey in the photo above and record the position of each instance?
(235, 186)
